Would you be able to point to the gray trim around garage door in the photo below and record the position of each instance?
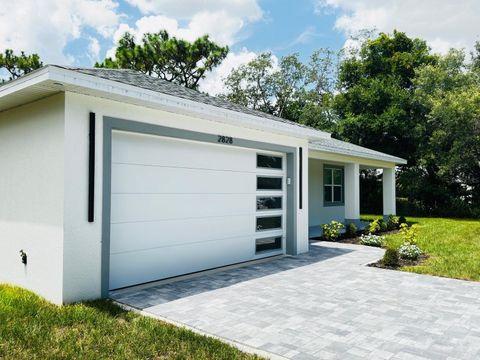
(110, 124)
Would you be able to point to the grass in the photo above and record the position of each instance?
(32, 328)
(453, 246)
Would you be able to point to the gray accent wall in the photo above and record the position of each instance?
(110, 124)
(317, 213)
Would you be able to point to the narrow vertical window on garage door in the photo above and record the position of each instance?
(270, 203)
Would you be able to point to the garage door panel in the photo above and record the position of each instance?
(154, 179)
(155, 207)
(141, 236)
(143, 266)
(180, 206)
(154, 150)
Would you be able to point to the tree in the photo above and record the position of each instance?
(168, 58)
(290, 89)
(449, 154)
(375, 100)
(18, 65)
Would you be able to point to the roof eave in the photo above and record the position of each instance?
(387, 158)
(94, 85)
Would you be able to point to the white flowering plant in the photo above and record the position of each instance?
(409, 251)
(372, 240)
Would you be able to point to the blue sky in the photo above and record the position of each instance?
(285, 27)
(80, 32)
(298, 28)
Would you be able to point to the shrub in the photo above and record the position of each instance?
(351, 230)
(373, 227)
(409, 234)
(391, 258)
(331, 231)
(409, 251)
(372, 240)
(383, 225)
(393, 222)
(402, 220)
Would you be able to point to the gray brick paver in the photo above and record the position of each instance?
(326, 304)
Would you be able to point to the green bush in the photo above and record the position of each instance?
(373, 227)
(393, 222)
(383, 225)
(409, 234)
(402, 220)
(331, 231)
(351, 230)
(391, 258)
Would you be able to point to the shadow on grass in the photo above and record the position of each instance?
(105, 306)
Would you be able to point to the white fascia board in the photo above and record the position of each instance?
(340, 157)
(179, 105)
(24, 82)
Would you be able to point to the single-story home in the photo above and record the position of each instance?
(112, 178)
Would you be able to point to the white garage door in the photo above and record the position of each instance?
(180, 206)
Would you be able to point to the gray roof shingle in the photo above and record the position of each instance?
(139, 79)
(345, 148)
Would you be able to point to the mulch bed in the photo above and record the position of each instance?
(379, 264)
(354, 240)
(401, 263)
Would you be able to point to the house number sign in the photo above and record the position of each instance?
(225, 139)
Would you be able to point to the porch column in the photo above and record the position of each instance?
(352, 192)
(389, 191)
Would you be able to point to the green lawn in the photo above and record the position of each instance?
(452, 244)
(32, 328)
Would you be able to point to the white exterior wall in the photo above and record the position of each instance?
(389, 193)
(319, 214)
(82, 247)
(352, 191)
(31, 196)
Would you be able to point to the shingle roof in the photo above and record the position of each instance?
(341, 147)
(139, 79)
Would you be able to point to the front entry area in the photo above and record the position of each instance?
(181, 206)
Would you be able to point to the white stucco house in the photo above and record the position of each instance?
(110, 178)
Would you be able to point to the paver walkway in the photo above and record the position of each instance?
(325, 305)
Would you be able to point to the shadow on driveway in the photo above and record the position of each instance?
(142, 298)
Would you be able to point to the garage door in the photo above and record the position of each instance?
(181, 206)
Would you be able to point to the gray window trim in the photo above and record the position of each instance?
(333, 203)
(110, 124)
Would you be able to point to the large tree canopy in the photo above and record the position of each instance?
(18, 65)
(375, 102)
(297, 91)
(168, 58)
(447, 174)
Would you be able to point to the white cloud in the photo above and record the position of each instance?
(222, 20)
(186, 9)
(443, 23)
(93, 49)
(213, 83)
(45, 27)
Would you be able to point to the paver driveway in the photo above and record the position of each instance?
(325, 305)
